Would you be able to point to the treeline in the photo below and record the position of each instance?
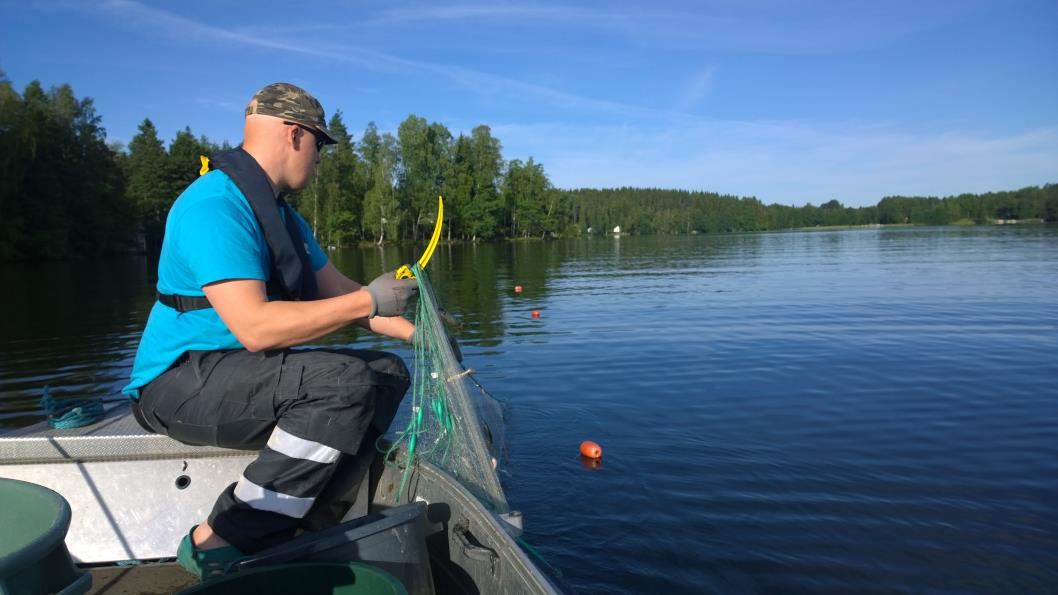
(656, 211)
(64, 192)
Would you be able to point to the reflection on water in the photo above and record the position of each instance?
(73, 326)
(845, 411)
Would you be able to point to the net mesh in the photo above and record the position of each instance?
(453, 423)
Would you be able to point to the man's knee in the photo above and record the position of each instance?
(398, 371)
(343, 392)
(394, 380)
(390, 368)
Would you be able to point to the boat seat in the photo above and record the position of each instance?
(116, 436)
(33, 554)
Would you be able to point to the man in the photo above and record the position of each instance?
(240, 281)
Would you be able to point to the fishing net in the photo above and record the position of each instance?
(454, 423)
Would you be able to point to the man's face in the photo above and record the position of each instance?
(307, 147)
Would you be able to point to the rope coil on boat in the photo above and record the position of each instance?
(70, 413)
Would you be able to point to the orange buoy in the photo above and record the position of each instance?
(590, 449)
(517, 289)
(590, 464)
(536, 313)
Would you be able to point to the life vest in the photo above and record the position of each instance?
(291, 276)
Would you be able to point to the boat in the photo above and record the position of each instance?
(135, 494)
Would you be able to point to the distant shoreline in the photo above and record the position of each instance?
(963, 222)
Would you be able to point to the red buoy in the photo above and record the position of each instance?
(590, 450)
(517, 289)
(590, 464)
(536, 313)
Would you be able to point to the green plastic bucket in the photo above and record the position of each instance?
(308, 578)
(33, 554)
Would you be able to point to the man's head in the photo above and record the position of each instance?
(285, 131)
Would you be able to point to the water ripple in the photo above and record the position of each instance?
(868, 411)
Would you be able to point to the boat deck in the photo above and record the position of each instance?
(134, 496)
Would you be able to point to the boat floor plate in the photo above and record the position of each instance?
(162, 578)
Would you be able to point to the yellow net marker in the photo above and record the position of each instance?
(404, 272)
(205, 165)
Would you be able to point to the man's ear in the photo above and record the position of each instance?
(293, 134)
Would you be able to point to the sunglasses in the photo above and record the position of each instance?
(320, 141)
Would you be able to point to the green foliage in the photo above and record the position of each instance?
(531, 199)
(459, 188)
(146, 170)
(61, 190)
(473, 188)
(383, 215)
(425, 164)
(65, 193)
(333, 202)
(182, 163)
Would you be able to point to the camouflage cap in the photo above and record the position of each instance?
(292, 103)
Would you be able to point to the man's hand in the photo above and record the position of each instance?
(389, 295)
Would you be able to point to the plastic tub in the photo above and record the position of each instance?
(33, 555)
(308, 578)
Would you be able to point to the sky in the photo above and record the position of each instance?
(788, 101)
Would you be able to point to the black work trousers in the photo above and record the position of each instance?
(308, 412)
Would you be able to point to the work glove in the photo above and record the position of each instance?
(389, 295)
(456, 351)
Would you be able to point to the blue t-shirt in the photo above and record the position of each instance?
(211, 235)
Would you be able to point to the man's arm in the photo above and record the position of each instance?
(332, 283)
(260, 324)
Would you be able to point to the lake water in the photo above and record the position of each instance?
(869, 410)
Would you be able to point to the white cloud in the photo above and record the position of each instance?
(474, 12)
(475, 81)
(756, 26)
(227, 106)
(695, 89)
(187, 29)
